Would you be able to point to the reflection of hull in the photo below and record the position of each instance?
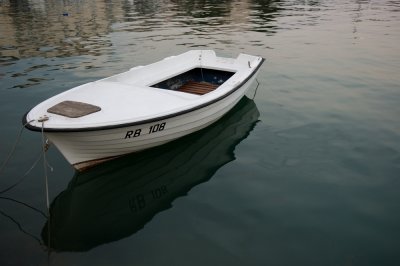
(117, 198)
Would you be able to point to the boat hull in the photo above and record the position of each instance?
(85, 149)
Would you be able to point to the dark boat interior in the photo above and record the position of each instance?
(196, 81)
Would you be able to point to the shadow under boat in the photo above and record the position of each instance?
(116, 199)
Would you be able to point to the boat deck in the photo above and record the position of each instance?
(198, 88)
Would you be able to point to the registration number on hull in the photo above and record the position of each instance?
(152, 129)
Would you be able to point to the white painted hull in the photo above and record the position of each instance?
(144, 107)
(88, 148)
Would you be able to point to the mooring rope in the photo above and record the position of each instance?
(21, 228)
(255, 92)
(24, 204)
(45, 145)
(24, 176)
(3, 166)
(17, 183)
(10, 156)
(45, 164)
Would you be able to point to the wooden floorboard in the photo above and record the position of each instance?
(199, 88)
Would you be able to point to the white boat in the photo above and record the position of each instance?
(144, 107)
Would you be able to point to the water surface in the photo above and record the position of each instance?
(306, 174)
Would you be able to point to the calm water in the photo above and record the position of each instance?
(306, 174)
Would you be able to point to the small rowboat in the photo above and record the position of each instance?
(144, 107)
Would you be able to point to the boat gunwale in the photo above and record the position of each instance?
(27, 124)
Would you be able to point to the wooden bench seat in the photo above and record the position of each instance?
(198, 88)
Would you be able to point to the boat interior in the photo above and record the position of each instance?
(196, 81)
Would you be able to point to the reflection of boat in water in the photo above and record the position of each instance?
(116, 199)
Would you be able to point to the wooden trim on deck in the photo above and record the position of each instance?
(198, 88)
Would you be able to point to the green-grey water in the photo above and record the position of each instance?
(307, 173)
